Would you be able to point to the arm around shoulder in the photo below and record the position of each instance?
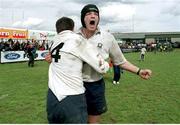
(89, 54)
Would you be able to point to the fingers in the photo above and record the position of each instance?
(105, 67)
(48, 58)
(101, 62)
(145, 74)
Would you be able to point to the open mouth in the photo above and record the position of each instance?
(92, 22)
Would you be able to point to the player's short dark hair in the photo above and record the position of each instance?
(64, 23)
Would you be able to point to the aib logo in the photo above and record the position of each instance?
(44, 54)
(12, 56)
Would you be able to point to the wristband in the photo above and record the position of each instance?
(138, 71)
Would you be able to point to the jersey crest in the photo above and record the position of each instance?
(100, 45)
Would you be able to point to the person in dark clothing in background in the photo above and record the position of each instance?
(117, 74)
(31, 51)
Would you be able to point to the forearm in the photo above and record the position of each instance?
(143, 73)
(129, 67)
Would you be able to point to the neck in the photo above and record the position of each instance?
(87, 33)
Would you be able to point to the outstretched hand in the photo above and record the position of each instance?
(145, 73)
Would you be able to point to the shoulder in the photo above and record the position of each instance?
(56, 37)
(77, 36)
(74, 40)
(107, 35)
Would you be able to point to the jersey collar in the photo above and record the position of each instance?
(96, 32)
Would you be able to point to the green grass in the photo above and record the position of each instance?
(23, 92)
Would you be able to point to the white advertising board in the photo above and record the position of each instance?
(18, 56)
(41, 35)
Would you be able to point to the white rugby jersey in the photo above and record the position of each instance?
(65, 70)
(108, 47)
(143, 50)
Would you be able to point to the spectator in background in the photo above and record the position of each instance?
(16, 46)
(31, 51)
(117, 74)
(7, 46)
(1, 46)
(142, 55)
(41, 47)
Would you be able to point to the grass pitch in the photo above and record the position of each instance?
(23, 92)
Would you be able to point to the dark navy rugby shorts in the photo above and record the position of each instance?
(95, 97)
(72, 109)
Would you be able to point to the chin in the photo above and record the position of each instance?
(92, 28)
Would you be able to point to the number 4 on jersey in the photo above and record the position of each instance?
(57, 48)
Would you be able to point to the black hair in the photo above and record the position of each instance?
(86, 9)
(64, 23)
